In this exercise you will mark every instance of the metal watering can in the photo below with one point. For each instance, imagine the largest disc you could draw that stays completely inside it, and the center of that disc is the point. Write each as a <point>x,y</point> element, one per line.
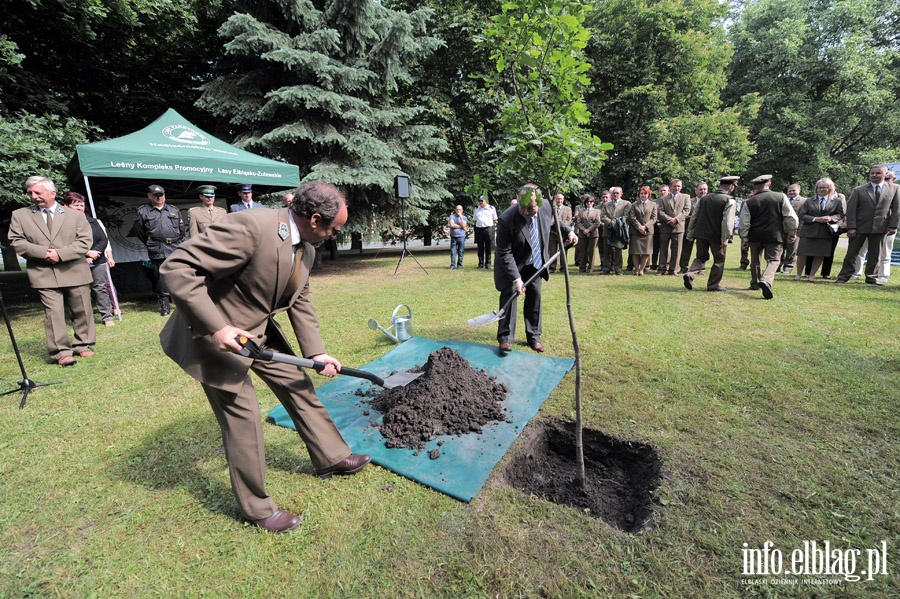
<point>402,325</point>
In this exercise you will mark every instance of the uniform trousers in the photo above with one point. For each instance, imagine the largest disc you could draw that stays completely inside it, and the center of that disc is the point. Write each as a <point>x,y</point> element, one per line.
<point>771,253</point>
<point>669,249</point>
<point>75,301</point>
<point>612,258</point>
<point>704,250</point>
<point>687,248</point>
<point>242,433</point>
<point>506,328</point>
<point>586,264</point>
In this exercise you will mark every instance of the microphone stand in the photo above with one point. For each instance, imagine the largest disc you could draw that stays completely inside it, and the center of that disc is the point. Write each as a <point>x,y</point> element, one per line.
<point>26,384</point>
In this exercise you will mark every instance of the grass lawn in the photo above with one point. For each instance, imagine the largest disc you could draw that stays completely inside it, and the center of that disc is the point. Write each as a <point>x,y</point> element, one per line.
<point>776,420</point>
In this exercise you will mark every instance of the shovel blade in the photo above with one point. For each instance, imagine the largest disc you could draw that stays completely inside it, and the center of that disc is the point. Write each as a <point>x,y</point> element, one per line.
<point>484,319</point>
<point>401,379</point>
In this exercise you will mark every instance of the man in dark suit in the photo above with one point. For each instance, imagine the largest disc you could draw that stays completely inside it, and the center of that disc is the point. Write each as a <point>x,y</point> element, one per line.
<point>523,234</point>
<point>246,203</point>
<point>54,242</point>
<point>223,295</point>
<point>873,211</point>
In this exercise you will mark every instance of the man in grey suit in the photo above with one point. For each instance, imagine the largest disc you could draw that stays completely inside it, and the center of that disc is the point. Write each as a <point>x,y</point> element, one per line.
<point>789,252</point>
<point>674,209</point>
<point>564,214</point>
<point>523,233</point>
<point>54,242</point>
<point>873,211</point>
<point>224,295</point>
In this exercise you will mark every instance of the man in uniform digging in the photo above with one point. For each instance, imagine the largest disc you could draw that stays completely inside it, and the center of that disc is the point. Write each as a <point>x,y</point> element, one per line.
<point>223,295</point>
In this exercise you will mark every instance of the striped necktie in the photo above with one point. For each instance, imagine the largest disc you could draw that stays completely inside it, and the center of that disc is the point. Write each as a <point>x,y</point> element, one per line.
<point>536,259</point>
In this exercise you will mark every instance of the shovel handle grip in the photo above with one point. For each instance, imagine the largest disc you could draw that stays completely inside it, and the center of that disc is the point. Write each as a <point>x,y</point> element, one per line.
<point>252,350</point>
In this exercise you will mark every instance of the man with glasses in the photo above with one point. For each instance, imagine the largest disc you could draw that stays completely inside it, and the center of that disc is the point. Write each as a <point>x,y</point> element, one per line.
<point>160,227</point>
<point>613,215</point>
<point>54,242</point>
<point>225,295</point>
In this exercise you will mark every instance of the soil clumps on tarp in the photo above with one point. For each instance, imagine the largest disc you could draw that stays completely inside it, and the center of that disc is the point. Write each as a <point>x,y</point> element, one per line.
<point>621,476</point>
<point>451,398</point>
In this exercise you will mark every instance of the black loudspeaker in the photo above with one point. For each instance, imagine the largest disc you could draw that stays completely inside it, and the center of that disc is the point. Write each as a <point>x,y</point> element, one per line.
<point>401,186</point>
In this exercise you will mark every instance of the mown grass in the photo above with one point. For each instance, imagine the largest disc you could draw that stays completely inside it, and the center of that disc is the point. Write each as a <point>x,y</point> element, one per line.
<point>776,421</point>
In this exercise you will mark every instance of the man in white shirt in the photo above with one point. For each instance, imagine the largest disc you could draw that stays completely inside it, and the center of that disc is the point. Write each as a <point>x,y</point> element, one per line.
<point>485,220</point>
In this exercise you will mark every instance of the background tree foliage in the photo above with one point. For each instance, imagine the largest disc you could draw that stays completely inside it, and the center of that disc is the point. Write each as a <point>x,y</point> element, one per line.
<point>116,64</point>
<point>659,68</point>
<point>460,106</point>
<point>313,83</point>
<point>540,73</point>
<point>828,75</point>
<point>358,91</point>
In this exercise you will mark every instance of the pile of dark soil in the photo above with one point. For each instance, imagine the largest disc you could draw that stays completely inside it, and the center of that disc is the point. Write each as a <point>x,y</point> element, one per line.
<point>621,476</point>
<point>451,398</point>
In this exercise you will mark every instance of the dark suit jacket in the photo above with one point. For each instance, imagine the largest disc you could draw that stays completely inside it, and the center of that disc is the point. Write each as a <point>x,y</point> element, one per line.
<point>236,273</point>
<point>870,217</point>
<point>811,210</point>
<point>514,244</point>
<point>71,238</point>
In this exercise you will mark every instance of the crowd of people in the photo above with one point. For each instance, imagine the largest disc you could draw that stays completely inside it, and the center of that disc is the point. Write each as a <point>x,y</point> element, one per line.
<point>668,232</point>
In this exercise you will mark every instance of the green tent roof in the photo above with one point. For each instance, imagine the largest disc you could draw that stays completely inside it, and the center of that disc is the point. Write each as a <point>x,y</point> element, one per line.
<point>176,154</point>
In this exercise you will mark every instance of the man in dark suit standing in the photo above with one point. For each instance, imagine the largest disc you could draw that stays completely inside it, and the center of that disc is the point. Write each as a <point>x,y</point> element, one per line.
<point>54,242</point>
<point>873,211</point>
<point>223,295</point>
<point>523,234</point>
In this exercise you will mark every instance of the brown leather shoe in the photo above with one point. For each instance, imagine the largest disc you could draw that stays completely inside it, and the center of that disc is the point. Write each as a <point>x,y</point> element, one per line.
<point>87,353</point>
<point>280,521</point>
<point>505,348</point>
<point>536,346</point>
<point>350,465</point>
<point>67,361</point>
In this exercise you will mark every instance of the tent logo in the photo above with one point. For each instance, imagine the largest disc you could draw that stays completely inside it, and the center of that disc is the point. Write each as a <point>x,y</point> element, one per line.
<point>185,135</point>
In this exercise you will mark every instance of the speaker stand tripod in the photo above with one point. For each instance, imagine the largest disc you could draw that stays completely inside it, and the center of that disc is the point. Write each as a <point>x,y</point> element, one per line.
<point>26,384</point>
<point>404,235</point>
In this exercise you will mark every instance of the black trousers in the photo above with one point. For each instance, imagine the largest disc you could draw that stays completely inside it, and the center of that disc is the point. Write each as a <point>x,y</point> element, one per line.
<point>506,328</point>
<point>484,239</point>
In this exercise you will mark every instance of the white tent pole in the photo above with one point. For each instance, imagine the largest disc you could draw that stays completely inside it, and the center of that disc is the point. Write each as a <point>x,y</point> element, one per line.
<point>87,187</point>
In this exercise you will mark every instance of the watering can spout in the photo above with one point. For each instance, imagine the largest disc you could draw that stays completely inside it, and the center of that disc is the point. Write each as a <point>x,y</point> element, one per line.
<point>373,324</point>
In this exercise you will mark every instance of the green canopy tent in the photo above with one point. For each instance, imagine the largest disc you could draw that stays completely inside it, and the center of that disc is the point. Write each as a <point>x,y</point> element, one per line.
<point>176,154</point>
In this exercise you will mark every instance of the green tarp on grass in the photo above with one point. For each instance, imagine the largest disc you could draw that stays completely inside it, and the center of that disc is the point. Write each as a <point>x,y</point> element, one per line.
<point>465,461</point>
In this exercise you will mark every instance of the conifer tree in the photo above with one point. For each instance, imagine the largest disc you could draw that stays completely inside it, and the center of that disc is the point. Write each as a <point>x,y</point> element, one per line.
<point>313,82</point>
